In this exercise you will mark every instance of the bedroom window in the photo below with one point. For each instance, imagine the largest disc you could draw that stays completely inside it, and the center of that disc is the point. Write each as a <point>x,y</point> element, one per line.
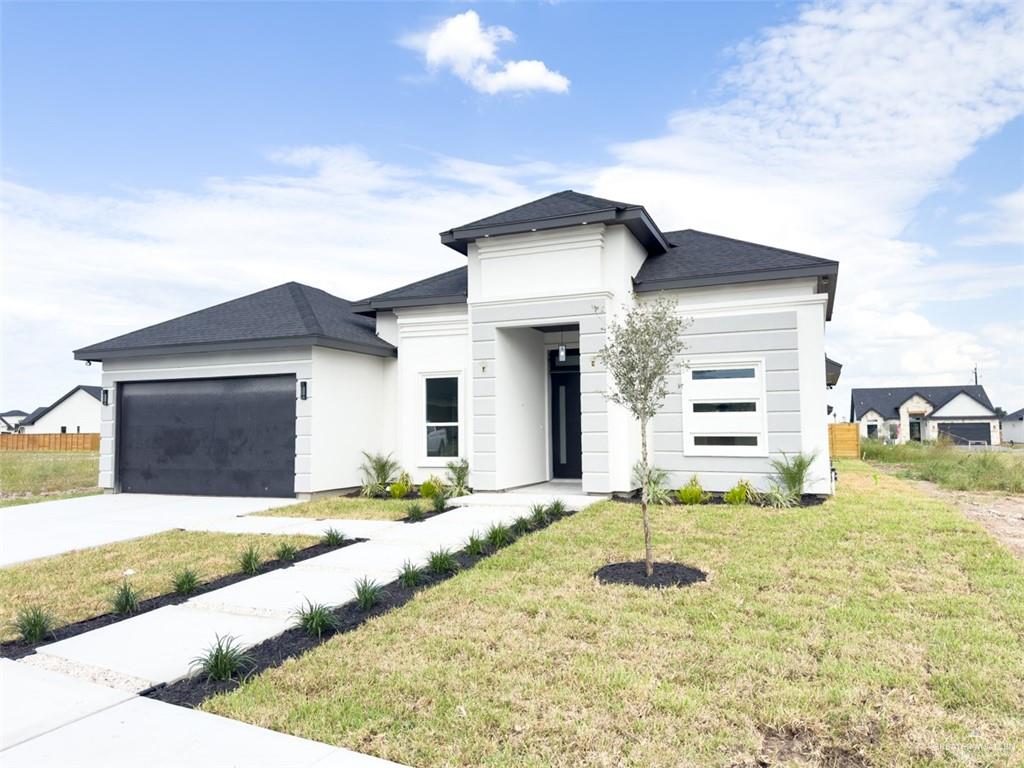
<point>724,413</point>
<point>442,416</point>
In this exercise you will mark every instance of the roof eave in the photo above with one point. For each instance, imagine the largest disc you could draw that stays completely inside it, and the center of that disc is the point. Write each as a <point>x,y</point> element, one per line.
<point>637,220</point>
<point>99,355</point>
<point>371,308</point>
<point>827,273</point>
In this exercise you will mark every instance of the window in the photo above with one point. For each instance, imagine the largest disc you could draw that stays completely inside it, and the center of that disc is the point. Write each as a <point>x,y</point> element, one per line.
<point>442,412</point>
<point>724,410</point>
<point>78,430</point>
<point>724,407</point>
<point>872,430</point>
<point>725,440</point>
<point>704,374</point>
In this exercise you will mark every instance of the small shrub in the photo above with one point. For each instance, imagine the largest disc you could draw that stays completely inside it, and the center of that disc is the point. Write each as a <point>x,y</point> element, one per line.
<point>368,593</point>
<point>431,487</point>
<point>222,660</point>
<point>791,473</point>
<point>316,619</point>
<point>410,575</point>
<point>442,561</point>
<point>741,493</point>
<point>414,513</point>
<point>333,537</point>
<point>458,477</point>
<point>439,503</point>
<point>557,509</point>
<point>476,545</point>
<point>778,497</point>
<point>125,599</point>
<point>499,536</point>
<point>250,559</point>
<point>378,472</point>
<point>656,482</point>
<point>521,526</point>
<point>185,581</point>
<point>692,493</point>
<point>34,624</point>
<point>538,515</point>
<point>286,552</point>
<point>398,490</point>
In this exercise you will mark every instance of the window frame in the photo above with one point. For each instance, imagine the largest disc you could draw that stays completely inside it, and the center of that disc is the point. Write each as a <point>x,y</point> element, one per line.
<point>745,424</point>
<point>427,460</point>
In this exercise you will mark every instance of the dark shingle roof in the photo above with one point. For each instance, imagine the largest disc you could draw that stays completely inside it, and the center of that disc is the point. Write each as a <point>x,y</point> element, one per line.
<point>886,401</point>
<point>291,313</point>
<point>832,371</point>
<point>565,203</point>
<point>698,258</point>
<point>446,288</point>
<point>1015,416</point>
<point>562,209</point>
<point>38,413</point>
<point>15,412</point>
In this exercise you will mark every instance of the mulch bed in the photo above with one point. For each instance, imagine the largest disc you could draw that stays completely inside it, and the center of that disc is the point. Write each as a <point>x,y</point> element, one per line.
<point>15,649</point>
<point>193,691</point>
<point>807,500</point>
<point>634,573</point>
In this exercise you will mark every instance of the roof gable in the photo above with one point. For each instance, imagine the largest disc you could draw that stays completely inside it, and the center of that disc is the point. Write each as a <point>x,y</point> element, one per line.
<point>38,413</point>
<point>291,312</point>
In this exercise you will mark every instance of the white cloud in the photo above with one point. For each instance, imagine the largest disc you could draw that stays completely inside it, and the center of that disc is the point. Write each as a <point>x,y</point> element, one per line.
<point>1001,224</point>
<point>469,50</point>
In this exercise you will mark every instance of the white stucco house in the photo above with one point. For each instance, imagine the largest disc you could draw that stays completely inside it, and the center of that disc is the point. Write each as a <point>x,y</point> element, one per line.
<point>1013,427</point>
<point>278,393</point>
<point>74,412</point>
<point>961,414</point>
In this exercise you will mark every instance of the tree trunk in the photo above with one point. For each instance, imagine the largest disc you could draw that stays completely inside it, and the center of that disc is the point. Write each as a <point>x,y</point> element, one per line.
<point>645,472</point>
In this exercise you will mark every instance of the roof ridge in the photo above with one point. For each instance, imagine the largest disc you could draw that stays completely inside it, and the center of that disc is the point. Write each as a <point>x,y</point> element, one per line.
<point>305,308</point>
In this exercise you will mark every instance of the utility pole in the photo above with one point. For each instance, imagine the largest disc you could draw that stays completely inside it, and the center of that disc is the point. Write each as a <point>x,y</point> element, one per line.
<point>975,374</point>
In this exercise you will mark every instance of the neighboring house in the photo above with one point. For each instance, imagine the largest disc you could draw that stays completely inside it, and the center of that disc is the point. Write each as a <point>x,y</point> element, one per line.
<point>77,411</point>
<point>1013,427</point>
<point>9,420</point>
<point>278,393</point>
<point>963,414</point>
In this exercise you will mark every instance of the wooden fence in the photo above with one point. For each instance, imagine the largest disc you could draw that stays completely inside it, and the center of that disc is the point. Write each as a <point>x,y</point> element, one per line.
<point>844,441</point>
<point>58,441</point>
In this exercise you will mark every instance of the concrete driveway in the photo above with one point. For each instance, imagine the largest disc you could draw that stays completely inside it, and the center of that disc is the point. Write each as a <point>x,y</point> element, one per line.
<point>51,527</point>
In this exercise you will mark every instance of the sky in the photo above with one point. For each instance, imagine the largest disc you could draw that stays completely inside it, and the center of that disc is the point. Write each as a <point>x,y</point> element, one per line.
<point>157,158</point>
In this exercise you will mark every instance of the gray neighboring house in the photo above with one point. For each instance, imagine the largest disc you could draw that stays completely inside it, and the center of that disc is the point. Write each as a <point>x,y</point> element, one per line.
<point>1013,427</point>
<point>495,361</point>
<point>962,414</point>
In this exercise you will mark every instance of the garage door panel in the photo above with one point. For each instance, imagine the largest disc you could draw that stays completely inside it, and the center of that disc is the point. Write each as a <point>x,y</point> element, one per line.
<point>221,437</point>
<point>964,434</point>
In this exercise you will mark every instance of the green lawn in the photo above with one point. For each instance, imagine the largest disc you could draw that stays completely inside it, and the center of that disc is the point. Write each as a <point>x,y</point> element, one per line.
<point>347,508</point>
<point>39,475</point>
<point>76,585</point>
<point>879,629</point>
<point>951,467</point>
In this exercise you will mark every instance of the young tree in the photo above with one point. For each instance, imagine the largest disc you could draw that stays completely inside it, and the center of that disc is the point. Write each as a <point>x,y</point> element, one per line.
<point>641,351</point>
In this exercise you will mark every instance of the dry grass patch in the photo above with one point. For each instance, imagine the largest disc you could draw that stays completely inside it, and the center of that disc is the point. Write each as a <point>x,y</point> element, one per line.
<point>34,473</point>
<point>879,629</point>
<point>76,585</point>
<point>344,508</point>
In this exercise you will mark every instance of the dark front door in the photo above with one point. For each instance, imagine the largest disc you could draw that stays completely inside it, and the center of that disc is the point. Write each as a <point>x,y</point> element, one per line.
<point>210,437</point>
<point>566,427</point>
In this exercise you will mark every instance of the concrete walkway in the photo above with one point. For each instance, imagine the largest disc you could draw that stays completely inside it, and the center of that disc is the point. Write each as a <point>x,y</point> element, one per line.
<point>74,702</point>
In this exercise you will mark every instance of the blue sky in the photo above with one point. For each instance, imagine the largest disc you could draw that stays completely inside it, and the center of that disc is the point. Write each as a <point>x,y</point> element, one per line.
<point>160,157</point>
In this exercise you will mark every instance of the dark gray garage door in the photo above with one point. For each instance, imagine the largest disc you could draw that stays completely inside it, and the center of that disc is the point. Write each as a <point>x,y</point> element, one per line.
<point>963,434</point>
<point>213,437</point>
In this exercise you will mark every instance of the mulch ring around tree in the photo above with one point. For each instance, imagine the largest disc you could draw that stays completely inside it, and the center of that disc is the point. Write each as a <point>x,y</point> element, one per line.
<point>635,574</point>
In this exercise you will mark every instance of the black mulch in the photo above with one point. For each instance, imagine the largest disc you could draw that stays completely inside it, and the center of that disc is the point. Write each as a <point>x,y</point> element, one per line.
<point>15,649</point>
<point>635,574</point>
<point>193,691</point>
<point>807,500</point>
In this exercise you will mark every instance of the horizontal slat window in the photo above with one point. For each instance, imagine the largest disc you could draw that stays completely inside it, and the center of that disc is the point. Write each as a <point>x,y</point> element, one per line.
<point>725,440</point>
<point>704,374</point>
<point>724,407</point>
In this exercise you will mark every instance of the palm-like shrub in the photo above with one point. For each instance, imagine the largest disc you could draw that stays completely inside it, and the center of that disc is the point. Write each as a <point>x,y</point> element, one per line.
<point>185,581</point>
<point>125,599</point>
<point>223,660</point>
<point>316,619</point>
<point>499,536</point>
<point>378,472</point>
<point>692,492</point>
<point>410,574</point>
<point>538,515</point>
<point>778,496</point>
<point>476,545</point>
<point>250,559</point>
<point>656,483</point>
<point>439,502</point>
<point>442,561</point>
<point>741,493</point>
<point>34,624</point>
<point>458,477</point>
<point>415,512</point>
<point>431,487</point>
<point>368,593</point>
<point>332,537</point>
<point>791,473</point>
<point>286,551</point>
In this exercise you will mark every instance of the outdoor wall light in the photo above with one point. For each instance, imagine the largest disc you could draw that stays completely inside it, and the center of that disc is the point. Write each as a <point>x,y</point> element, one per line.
<point>302,390</point>
<point>106,397</point>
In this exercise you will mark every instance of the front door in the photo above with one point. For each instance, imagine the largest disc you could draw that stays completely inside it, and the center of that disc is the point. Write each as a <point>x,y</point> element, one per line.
<point>915,429</point>
<point>566,432</point>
